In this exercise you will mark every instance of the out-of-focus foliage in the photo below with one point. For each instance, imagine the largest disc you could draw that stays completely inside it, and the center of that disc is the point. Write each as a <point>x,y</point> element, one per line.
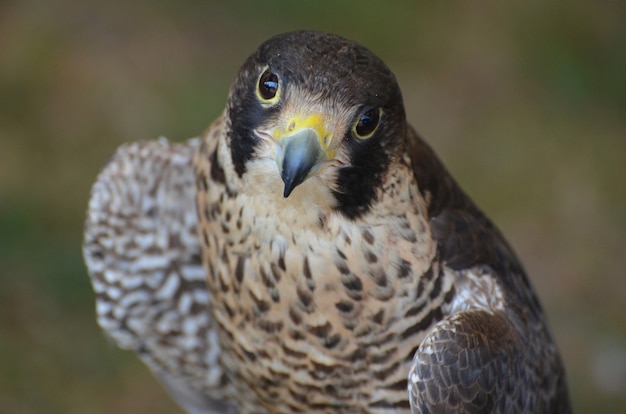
<point>524,101</point>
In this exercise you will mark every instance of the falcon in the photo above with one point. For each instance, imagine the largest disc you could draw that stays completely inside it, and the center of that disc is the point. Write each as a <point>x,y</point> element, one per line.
<point>311,254</point>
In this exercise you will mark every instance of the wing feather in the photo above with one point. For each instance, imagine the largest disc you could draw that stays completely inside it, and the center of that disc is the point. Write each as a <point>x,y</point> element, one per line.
<point>143,257</point>
<point>493,352</point>
<point>479,362</point>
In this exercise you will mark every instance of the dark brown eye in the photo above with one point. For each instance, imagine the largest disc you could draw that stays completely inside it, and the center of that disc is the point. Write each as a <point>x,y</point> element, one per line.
<point>367,123</point>
<point>268,85</point>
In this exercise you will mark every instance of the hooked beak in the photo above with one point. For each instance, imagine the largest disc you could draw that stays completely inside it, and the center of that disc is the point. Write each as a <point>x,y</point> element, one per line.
<point>301,150</point>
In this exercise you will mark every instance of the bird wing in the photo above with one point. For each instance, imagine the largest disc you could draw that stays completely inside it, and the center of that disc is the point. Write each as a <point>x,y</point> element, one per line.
<point>478,361</point>
<point>493,353</point>
<point>462,365</point>
<point>143,257</point>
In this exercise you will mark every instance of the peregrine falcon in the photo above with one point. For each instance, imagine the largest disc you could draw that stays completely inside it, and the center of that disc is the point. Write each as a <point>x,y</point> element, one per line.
<point>311,254</point>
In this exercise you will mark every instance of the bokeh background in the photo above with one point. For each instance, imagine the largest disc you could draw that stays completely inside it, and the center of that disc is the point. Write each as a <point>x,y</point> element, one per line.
<point>524,101</point>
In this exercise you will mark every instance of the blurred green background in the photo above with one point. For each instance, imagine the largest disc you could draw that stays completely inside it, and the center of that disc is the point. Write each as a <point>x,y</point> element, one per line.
<point>524,101</point>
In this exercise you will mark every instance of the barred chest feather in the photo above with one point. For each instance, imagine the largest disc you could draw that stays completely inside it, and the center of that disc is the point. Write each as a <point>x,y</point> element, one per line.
<point>317,312</point>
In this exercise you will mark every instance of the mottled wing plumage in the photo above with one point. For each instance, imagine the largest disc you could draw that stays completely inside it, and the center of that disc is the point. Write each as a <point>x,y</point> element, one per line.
<point>143,256</point>
<point>493,353</point>
<point>476,361</point>
<point>464,364</point>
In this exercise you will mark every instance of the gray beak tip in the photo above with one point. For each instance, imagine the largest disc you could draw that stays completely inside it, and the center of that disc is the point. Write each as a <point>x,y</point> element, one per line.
<point>301,153</point>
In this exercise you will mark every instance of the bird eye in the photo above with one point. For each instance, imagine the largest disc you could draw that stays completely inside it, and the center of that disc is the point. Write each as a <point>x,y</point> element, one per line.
<point>367,123</point>
<point>267,89</point>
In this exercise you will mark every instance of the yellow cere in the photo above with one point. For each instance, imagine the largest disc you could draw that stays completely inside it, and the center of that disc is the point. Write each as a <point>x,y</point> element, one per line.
<point>314,122</point>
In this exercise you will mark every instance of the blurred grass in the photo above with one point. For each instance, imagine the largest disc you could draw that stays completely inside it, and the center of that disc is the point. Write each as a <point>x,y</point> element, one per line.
<point>525,102</point>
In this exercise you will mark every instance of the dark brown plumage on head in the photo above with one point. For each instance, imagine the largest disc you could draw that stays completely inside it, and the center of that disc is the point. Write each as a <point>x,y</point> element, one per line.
<point>338,77</point>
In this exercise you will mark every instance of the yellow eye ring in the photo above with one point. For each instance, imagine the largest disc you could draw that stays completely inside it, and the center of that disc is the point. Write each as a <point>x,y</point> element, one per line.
<point>367,123</point>
<point>268,87</point>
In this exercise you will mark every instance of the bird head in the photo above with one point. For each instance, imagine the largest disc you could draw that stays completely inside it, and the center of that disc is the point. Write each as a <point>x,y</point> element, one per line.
<point>321,107</point>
